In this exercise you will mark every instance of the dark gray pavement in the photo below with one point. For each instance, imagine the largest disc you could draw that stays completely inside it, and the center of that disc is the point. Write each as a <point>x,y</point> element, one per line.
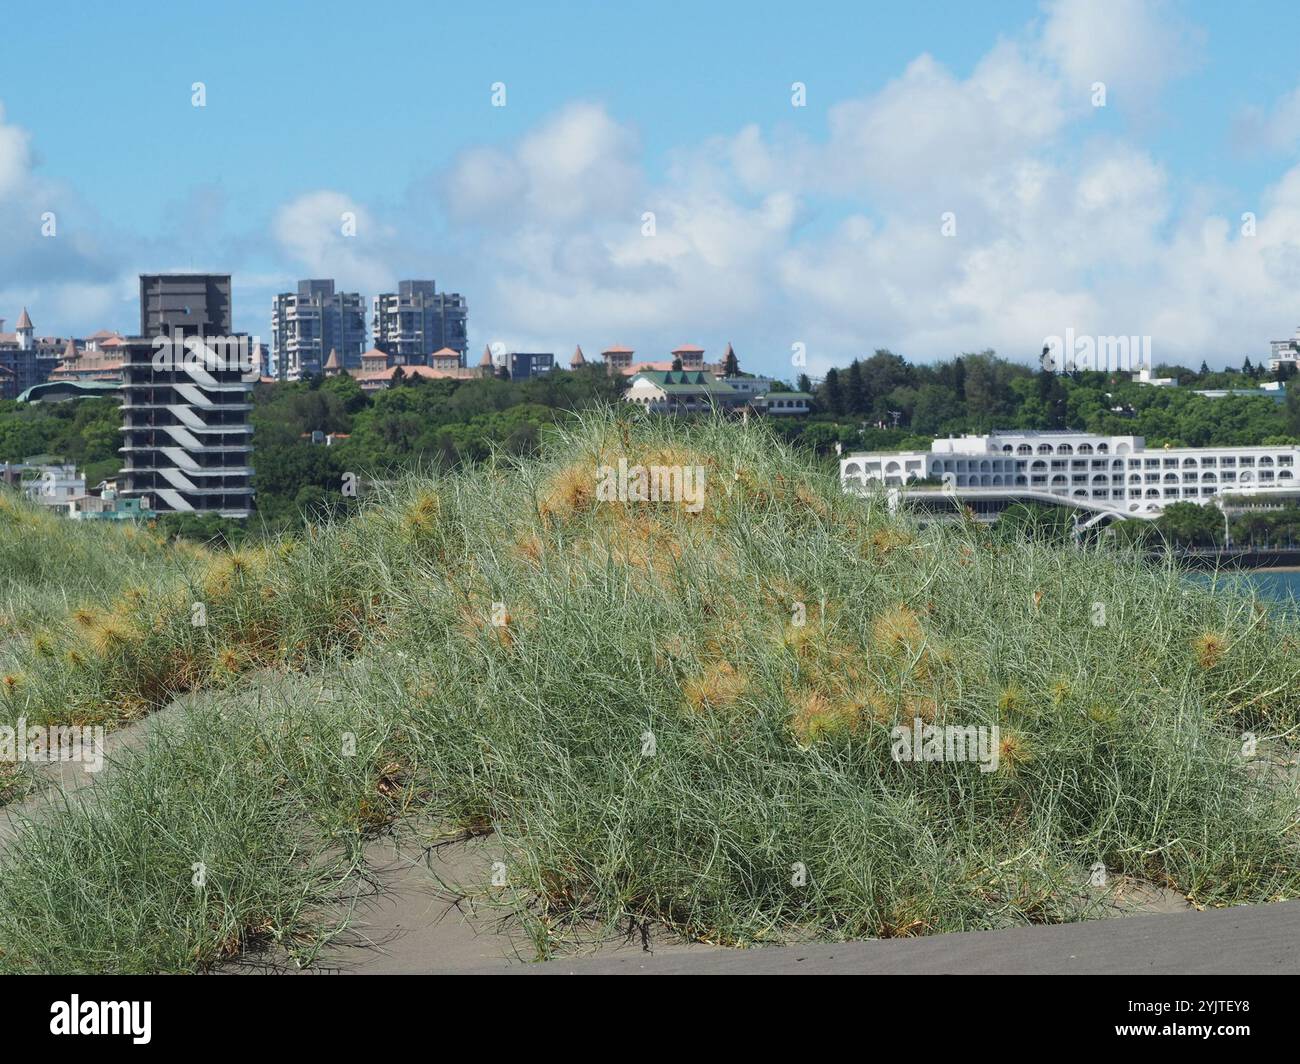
<point>1249,939</point>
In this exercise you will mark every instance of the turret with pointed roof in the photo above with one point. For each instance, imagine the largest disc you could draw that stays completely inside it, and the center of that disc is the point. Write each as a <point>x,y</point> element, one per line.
<point>70,353</point>
<point>577,359</point>
<point>24,331</point>
<point>730,364</point>
<point>333,364</point>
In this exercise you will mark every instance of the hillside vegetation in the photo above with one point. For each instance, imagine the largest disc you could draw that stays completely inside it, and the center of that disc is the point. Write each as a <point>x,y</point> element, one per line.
<point>666,715</point>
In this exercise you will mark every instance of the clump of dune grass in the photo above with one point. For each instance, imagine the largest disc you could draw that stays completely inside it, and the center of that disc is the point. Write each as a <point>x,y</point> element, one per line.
<point>205,845</point>
<point>686,715</point>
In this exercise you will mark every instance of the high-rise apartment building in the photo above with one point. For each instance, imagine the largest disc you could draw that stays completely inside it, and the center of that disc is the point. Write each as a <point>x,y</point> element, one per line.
<point>417,320</point>
<point>187,442</point>
<point>307,325</point>
<point>191,303</point>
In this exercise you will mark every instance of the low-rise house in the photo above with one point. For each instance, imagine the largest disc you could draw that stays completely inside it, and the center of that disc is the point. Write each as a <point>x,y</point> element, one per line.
<point>782,404</point>
<point>682,392</point>
<point>53,485</point>
<point>108,505</point>
<point>383,379</point>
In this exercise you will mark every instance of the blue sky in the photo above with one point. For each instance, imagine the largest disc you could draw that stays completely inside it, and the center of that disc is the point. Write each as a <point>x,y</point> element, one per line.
<point>775,225</point>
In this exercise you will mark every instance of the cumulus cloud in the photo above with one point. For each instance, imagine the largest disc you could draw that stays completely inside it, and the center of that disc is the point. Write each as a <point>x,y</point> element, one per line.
<point>48,262</point>
<point>328,234</point>
<point>579,165</point>
<point>1134,47</point>
<point>838,242</point>
<point>1275,129</point>
<point>15,156</point>
<point>945,212</point>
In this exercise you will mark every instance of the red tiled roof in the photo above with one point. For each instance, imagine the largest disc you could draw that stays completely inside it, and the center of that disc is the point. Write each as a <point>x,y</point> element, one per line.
<point>415,371</point>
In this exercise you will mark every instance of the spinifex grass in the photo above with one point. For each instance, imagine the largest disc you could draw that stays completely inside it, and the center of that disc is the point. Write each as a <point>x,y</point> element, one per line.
<point>204,844</point>
<point>686,717</point>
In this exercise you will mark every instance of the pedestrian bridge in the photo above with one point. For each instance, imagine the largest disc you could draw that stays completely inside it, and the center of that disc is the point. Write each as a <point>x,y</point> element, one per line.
<point>1097,510</point>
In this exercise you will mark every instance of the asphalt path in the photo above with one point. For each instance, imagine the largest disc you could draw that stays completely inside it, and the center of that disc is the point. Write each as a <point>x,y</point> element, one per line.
<point>1247,939</point>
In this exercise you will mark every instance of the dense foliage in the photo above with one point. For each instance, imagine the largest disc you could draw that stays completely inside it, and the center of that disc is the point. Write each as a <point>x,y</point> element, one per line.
<point>885,402</point>
<point>879,403</point>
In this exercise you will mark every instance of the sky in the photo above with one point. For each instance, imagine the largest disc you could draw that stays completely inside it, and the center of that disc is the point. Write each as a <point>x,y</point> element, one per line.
<point>950,177</point>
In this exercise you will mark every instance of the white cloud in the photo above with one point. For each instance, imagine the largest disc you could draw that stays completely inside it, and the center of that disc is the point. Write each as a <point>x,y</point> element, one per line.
<point>50,263</point>
<point>15,156</point>
<point>328,234</point>
<point>776,238</point>
<point>1275,129</point>
<point>1134,47</point>
<point>767,237</point>
<point>577,166</point>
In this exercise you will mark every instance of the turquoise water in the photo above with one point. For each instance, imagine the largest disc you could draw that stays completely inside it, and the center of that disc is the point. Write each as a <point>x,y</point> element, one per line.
<point>1282,585</point>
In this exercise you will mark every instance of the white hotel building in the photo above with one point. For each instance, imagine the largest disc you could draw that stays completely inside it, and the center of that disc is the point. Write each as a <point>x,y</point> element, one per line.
<point>1113,476</point>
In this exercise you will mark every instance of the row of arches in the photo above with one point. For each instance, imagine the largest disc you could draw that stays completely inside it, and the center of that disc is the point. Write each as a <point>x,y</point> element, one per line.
<point>1064,448</point>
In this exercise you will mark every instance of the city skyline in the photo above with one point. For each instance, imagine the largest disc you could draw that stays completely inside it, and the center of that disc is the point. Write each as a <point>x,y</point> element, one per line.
<point>1173,211</point>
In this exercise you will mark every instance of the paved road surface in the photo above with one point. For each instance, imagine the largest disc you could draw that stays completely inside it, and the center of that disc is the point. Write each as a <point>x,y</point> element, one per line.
<point>1244,940</point>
